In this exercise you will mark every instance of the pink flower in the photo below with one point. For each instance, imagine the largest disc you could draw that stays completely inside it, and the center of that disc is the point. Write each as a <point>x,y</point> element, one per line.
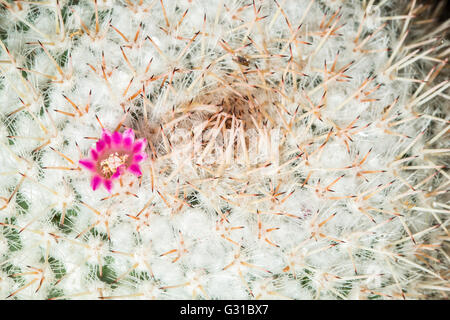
<point>113,155</point>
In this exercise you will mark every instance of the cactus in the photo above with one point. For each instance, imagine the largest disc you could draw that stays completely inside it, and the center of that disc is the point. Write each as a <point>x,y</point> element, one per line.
<point>293,150</point>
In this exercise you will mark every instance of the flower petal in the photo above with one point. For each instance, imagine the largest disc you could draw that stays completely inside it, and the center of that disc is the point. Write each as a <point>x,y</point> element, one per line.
<point>100,145</point>
<point>106,136</point>
<point>139,145</point>
<point>88,164</point>
<point>128,137</point>
<point>135,169</point>
<point>117,138</point>
<point>108,185</point>
<point>127,142</point>
<point>95,182</point>
<point>118,172</point>
<point>138,157</point>
<point>94,155</point>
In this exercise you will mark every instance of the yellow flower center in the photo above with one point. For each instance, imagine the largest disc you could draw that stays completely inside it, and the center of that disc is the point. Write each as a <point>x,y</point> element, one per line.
<point>109,165</point>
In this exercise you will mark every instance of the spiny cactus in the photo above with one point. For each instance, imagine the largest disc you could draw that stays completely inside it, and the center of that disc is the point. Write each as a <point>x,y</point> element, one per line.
<point>294,149</point>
